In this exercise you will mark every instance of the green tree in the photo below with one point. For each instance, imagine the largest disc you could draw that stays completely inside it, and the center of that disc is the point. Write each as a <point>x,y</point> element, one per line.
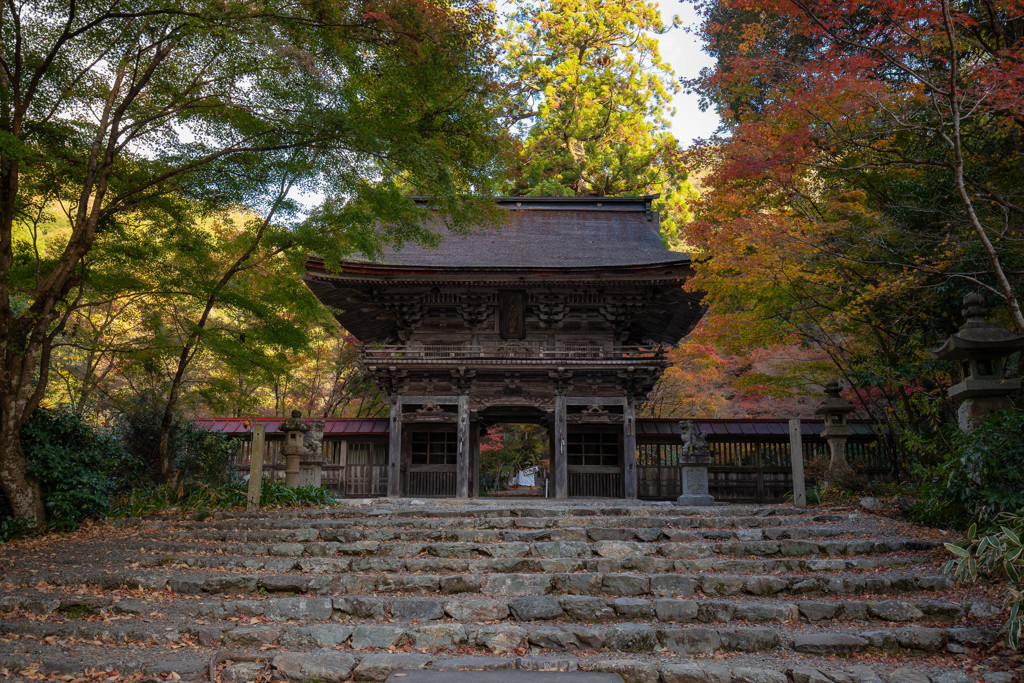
<point>156,111</point>
<point>594,98</point>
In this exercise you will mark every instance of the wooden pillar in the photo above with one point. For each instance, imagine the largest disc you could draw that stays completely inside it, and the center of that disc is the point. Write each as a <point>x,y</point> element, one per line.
<point>797,455</point>
<point>252,502</point>
<point>395,449</point>
<point>462,454</point>
<point>629,449</point>
<point>474,459</point>
<point>560,464</point>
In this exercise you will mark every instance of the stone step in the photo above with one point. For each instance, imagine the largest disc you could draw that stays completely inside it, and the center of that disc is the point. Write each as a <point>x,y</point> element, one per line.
<point>713,520</point>
<point>626,637</point>
<point>562,549</point>
<point>593,609</point>
<point>499,584</point>
<point>441,509</point>
<point>319,565</point>
<point>329,665</point>
<point>563,533</point>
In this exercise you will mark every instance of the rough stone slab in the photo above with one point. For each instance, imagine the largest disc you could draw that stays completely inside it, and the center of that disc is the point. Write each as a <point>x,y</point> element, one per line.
<point>419,610</point>
<point>695,673</point>
<point>630,670</point>
<point>535,607</point>
<point>473,664</point>
<point>375,635</point>
<point>438,636</point>
<point>743,674</point>
<point>315,636</point>
<point>829,643</point>
<point>482,609</point>
<point>378,667</point>
<point>427,676</point>
<point>329,667</point>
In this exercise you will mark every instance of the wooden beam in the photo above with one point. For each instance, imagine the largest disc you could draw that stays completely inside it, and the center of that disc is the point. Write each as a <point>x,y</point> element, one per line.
<point>395,449</point>
<point>420,400</point>
<point>560,464</point>
<point>462,454</point>
<point>591,400</point>
<point>629,450</point>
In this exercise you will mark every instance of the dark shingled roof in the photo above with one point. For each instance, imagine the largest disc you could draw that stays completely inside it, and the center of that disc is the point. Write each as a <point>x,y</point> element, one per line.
<point>549,232</point>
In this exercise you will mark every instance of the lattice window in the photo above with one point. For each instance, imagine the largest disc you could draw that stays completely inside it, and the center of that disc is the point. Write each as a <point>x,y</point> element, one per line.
<point>593,449</point>
<point>434,448</point>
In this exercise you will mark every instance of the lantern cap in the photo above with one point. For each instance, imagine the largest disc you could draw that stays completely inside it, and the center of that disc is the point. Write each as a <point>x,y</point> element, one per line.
<point>834,403</point>
<point>295,423</point>
<point>977,336</point>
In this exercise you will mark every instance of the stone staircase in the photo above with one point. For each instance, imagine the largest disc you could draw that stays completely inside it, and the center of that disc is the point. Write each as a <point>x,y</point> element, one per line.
<point>656,593</point>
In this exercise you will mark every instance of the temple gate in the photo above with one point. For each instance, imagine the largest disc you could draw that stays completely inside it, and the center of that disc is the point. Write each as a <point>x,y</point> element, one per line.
<point>561,317</point>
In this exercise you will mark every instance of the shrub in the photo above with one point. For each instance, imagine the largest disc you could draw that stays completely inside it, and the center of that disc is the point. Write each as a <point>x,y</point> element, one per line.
<point>199,498</point>
<point>200,455</point>
<point>76,464</point>
<point>999,553</point>
<point>982,478</point>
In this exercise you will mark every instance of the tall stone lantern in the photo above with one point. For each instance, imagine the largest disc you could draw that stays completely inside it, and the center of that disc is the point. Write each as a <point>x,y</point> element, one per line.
<point>294,429</point>
<point>835,409</point>
<point>980,347</point>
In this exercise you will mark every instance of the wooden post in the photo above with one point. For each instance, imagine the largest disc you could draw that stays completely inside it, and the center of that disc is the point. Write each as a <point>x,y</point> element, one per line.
<point>560,464</point>
<point>796,448</point>
<point>629,449</point>
<point>259,438</point>
<point>395,449</point>
<point>462,454</point>
<point>474,459</point>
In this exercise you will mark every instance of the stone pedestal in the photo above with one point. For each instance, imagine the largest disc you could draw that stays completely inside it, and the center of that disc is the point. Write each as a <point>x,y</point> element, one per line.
<point>292,468</point>
<point>695,485</point>
<point>973,410</point>
<point>694,461</point>
<point>838,470</point>
<point>312,461</point>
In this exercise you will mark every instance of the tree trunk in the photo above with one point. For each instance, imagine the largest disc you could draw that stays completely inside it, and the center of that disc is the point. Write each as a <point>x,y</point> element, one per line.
<point>20,486</point>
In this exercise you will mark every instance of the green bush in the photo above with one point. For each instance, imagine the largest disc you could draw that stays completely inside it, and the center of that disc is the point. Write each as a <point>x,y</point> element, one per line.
<point>982,478</point>
<point>200,497</point>
<point>77,465</point>
<point>999,553</point>
<point>200,455</point>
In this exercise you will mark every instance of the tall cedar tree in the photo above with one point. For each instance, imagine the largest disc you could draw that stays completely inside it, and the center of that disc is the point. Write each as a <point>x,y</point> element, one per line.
<point>141,110</point>
<point>594,95</point>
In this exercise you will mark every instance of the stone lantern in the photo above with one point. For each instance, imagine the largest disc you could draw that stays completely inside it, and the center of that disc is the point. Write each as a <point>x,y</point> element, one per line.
<point>294,429</point>
<point>694,461</point>
<point>980,347</point>
<point>834,409</point>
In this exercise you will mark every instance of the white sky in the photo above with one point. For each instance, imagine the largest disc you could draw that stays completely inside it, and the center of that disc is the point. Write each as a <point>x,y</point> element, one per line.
<point>681,48</point>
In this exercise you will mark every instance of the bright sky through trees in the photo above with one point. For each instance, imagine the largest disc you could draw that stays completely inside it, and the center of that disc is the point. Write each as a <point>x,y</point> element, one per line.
<point>682,48</point>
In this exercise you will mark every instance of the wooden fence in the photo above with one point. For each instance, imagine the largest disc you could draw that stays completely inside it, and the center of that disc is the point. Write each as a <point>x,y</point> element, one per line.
<point>750,463</point>
<point>751,467</point>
